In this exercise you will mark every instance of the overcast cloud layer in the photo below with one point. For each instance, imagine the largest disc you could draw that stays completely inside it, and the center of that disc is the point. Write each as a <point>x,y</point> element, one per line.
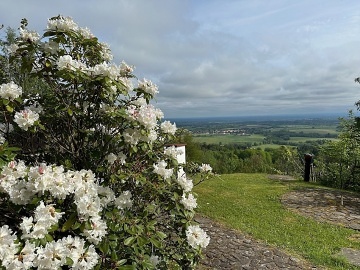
<point>224,57</point>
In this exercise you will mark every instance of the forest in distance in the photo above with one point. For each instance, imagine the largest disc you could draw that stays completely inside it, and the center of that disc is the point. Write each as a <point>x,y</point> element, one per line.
<point>256,144</point>
<point>265,131</point>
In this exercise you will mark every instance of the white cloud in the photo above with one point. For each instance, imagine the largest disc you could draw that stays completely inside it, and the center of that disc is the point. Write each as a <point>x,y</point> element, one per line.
<point>217,58</point>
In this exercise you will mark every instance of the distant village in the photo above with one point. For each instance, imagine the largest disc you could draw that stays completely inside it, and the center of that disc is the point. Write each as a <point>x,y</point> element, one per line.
<point>239,132</point>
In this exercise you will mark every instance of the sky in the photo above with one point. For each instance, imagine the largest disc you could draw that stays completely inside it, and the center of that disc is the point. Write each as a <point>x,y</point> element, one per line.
<point>224,57</point>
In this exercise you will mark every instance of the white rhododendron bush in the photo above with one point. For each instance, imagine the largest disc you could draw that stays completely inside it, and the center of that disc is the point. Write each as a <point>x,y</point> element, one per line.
<point>88,180</point>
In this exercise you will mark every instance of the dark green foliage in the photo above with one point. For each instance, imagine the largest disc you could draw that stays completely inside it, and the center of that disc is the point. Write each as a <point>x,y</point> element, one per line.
<point>339,161</point>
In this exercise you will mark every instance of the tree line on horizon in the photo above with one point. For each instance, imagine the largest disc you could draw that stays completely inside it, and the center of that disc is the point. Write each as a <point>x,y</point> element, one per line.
<point>336,162</point>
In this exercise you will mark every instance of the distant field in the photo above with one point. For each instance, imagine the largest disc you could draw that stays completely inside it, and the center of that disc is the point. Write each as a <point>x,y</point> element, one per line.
<point>255,138</point>
<point>304,139</point>
<point>227,139</point>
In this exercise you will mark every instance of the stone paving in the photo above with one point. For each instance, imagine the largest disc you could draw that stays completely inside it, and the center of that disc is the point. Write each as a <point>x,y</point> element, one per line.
<point>326,205</point>
<point>230,249</point>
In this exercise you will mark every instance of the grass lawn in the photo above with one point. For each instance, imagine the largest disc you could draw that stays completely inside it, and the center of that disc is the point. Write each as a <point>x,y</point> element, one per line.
<point>251,203</point>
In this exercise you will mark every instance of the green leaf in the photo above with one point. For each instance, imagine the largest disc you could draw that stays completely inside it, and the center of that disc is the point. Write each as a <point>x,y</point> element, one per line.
<point>121,262</point>
<point>104,247</point>
<point>129,241</point>
<point>155,242</point>
<point>49,238</point>
<point>9,108</point>
<point>70,112</point>
<point>161,235</point>
<point>69,261</point>
<point>69,223</point>
<point>48,63</point>
<point>142,241</point>
<point>127,267</point>
<point>43,241</point>
<point>76,225</point>
<point>113,237</point>
<point>114,255</point>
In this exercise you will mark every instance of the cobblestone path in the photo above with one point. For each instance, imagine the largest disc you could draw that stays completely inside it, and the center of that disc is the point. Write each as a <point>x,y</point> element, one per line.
<point>229,249</point>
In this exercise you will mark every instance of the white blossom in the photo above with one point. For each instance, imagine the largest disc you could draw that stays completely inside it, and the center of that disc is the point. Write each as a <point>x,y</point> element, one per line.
<point>154,260</point>
<point>124,201</point>
<point>205,168</point>
<point>122,158</point>
<point>106,52</point>
<point>186,184</point>
<point>10,91</point>
<point>2,139</point>
<point>52,256</point>
<point>88,260</point>
<point>168,128</point>
<point>160,169</point>
<point>62,24</point>
<point>68,63</point>
<point>97,232</point>
<point>148,87</point>
<point>197,236</point>
<point>132,136</point>
<point>26,118</point>
<point>189,202</point>
<point>172,151</point>
<point>29,35</point>
<point>106,195</point>
<point>12,48</point>
<point>125,69</point>
<point>23,260</point>
<point>7,243</point>
<point>111,158</point>
<point>86,32</point>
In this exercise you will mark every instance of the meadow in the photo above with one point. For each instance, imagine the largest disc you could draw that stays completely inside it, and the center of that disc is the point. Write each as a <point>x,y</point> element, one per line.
<point>250,203</point>
<point>266,134</point>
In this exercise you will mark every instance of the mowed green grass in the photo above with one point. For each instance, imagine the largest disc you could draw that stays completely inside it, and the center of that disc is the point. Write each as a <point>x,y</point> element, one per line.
<point>251,204</point>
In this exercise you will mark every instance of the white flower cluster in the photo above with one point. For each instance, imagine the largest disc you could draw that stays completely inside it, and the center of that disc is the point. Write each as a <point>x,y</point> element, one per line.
<point>68,63</point>
<point>22,183</point>
<point>10,91</point>
<point>29,35</point>
<point>197,237</point>
<point>106,52</point>
<point>146,114</point>
<point>148,87</point>
<point>204,168</point>
<point>189,202</point>
<point>160,169</point>
<point>124,200</point>
<point>52,256</point>
<point>168,128</point>
<point>62,24</point>
<point>12,48</point>
<point>111,158</point>
<point>112,71</point>
<point>26,118</point>
<point>45,216</point>
<point>125,69</point>
<point>186,184</point>
<point>172,152</point>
